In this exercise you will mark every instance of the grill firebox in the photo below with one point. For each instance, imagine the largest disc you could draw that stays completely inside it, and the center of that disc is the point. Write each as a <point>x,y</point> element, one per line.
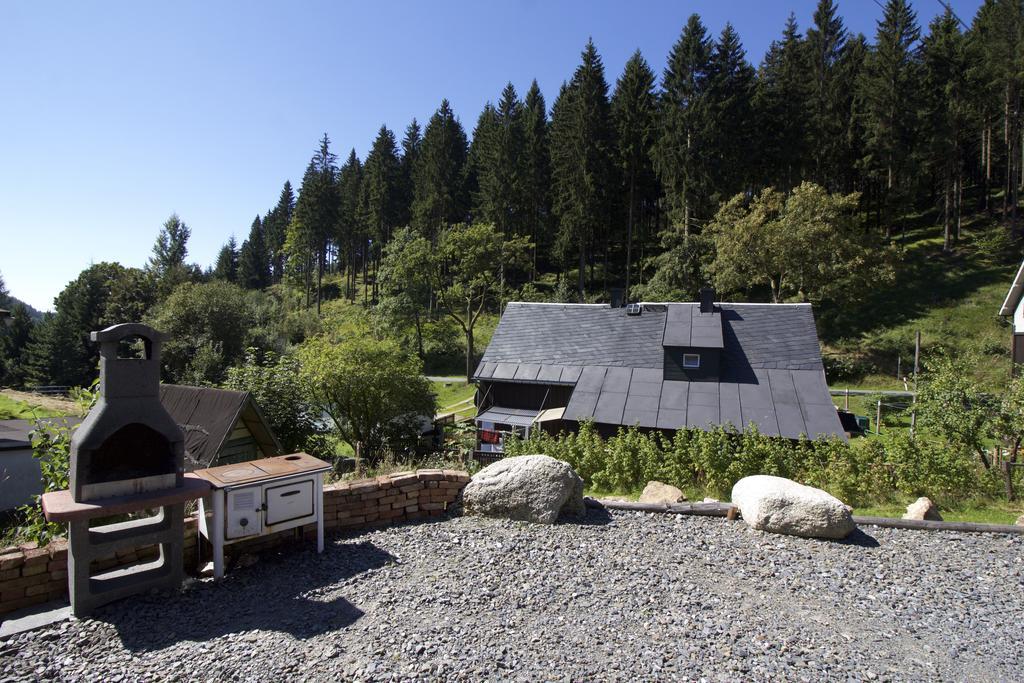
<point>128,443</point>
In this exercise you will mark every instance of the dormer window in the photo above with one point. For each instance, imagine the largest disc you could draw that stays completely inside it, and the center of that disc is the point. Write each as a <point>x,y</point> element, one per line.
<point>691,360</point>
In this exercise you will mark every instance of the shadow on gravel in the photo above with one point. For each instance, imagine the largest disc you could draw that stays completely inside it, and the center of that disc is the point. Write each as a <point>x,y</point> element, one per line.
<point>859,538</point>
<point>592,517</point>
<point>280,593</point>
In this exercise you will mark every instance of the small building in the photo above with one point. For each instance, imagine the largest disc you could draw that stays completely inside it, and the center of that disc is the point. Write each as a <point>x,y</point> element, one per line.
<point>1013,307</point>
<point>656,366</point>
<point>221,426</point>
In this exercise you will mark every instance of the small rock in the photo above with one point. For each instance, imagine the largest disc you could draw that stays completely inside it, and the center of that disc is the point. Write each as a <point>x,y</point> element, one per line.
<point>923,508</point>
<point>1020,521</point>
<point>711,500</point>
<point>659,492</point>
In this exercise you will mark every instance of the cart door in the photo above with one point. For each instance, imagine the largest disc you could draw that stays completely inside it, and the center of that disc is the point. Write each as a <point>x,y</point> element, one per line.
<point>243,513</point>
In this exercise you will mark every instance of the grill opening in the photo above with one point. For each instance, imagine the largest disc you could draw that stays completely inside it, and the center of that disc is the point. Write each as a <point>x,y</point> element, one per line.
<point>133,451</point>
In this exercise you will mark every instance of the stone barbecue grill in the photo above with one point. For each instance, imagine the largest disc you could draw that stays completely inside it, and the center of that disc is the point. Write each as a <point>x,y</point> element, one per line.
<point>127,456</point>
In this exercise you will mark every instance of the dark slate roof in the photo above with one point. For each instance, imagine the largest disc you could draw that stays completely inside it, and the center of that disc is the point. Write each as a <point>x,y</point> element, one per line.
<point>15,434</point>
<point>208,416</point>
<point>771,371</point>
<point>1013,296</point>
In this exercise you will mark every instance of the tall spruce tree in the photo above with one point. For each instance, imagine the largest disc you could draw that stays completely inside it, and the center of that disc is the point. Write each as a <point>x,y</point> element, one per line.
<point>478,158</point>
<point>314,221</point>
<point>275,226</point>
<point>683,146</point>
<point>169,251</point>
<point>226,267</point>
<point>828,117</point>
<point>946,92</point>
<point>411,143</point>
<point>634,116</point>
<point>380,194</point>
<point>780,104</point>
<point>890,87</point>
<point>351,236</point>
<point>440,198</point>
<point>253,260</point>
<point>731,134</point>
<point>581,160</point>
<point>537,174</point>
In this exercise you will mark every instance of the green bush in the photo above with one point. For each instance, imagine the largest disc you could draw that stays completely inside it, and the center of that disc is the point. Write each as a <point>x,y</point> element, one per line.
<point>712,461</point>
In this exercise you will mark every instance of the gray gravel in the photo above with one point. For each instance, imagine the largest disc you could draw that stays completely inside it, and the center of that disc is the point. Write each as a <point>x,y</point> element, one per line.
<point>624,596</point>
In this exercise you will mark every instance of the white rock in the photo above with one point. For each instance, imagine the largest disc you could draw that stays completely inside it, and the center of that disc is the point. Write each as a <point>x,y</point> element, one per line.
<point>658,492</point>
<point>532,488</point>
<point>782,506</point>
<point>923,508</point>
<point>711,500</point>
<point>1020,521</point>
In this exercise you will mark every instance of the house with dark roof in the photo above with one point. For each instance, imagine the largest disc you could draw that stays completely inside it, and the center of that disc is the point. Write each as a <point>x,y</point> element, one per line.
<point>656,366</point>
<point>221,426</point>
<point>1013,308</point>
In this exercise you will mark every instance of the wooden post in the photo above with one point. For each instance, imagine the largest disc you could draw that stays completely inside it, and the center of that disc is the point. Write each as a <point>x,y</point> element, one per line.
<point>878,416</point>
<point>899,366</point>
<point>913,401</point>
<point>847,400</point>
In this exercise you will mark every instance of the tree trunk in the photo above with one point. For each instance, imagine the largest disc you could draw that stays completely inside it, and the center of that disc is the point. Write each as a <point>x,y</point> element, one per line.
<point>629,233</point>
<point>582,272</point>
<point>947,215</point>
<point>469,341</point>
<point>419,335</point>
<point>1011,495</point>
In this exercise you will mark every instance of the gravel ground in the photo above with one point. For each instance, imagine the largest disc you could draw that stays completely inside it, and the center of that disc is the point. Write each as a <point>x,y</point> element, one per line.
<point>624,596</point>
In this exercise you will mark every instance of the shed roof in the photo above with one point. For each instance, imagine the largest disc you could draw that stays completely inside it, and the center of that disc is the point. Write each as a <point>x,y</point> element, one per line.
<point>1013,296</point>
<point>771,370</point>
<point>208,416</point>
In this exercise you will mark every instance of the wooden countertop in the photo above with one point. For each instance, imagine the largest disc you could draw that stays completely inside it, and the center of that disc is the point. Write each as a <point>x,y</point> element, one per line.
<point>59,506</point>
<point>259,470</point>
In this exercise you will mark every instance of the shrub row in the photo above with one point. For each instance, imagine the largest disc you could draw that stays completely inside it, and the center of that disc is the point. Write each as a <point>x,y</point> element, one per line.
<point>712,461</point>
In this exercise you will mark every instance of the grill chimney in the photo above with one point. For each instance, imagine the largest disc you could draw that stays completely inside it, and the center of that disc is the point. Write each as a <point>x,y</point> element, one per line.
<point>707,299</point>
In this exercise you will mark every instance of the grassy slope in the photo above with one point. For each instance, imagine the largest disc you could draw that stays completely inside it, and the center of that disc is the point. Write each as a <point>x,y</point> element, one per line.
<point>953,299</point>
<point>11,409</point>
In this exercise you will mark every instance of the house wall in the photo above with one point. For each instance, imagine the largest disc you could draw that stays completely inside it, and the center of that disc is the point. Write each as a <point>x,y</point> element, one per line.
<point>710,362</point>
<point>30,575</point>
<point>528,396</point>
<point>20,478</point>
<point>240,446</point>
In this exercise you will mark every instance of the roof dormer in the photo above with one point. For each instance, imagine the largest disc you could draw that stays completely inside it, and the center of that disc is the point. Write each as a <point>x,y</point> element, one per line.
<point>693,340</point>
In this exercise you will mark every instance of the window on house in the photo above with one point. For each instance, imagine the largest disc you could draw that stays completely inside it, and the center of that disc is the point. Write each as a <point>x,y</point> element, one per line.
<point>691,360</point>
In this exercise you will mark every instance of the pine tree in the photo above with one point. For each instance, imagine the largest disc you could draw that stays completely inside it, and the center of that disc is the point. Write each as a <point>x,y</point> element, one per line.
<point>581,159</point>
<point>682,149</point>
<point>731,135</point>
<point>440,198</point>
<point>168,260</point>
<point>537,174</point>
<point>275,226</point>
<point>780,104</point>
<point>503,183</point>
<point>226,267</point>
<point>478,159</point>
<point>253,260</point>
<point>411,144</point>
<point>946,91</point>
<point>634,116</point>
<point>379,197</point>
<point>314,221</point>
<point>828,117</point>
<point>350,232</point>
<point>891,99</point>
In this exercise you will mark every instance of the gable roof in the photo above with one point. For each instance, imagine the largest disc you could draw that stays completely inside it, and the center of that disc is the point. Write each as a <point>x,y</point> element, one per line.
<point>208,416</point>
<point>771,370</point>
<point>1013,296</point>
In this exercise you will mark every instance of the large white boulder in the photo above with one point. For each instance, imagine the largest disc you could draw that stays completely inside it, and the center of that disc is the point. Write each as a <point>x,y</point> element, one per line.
<point>782,506</point>
<point>923,508</point>
<point>532,488</point>
<point>659,492</point>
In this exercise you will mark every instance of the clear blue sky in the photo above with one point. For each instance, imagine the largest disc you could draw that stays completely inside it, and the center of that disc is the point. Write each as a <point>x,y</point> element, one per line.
<point>115,114</point>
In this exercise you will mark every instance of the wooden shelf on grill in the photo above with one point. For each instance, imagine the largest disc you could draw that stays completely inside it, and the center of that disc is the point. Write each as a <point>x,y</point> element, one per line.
<point>59,506</point>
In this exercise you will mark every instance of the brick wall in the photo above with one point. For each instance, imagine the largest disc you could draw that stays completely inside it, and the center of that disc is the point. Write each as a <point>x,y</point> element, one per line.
<point>31,575</point>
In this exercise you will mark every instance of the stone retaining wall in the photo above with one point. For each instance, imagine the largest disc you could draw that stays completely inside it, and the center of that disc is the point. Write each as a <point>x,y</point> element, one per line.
<point>30,575</point>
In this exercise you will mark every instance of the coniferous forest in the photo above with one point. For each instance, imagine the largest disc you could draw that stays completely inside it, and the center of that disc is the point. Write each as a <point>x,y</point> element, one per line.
<point>788,176</point>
